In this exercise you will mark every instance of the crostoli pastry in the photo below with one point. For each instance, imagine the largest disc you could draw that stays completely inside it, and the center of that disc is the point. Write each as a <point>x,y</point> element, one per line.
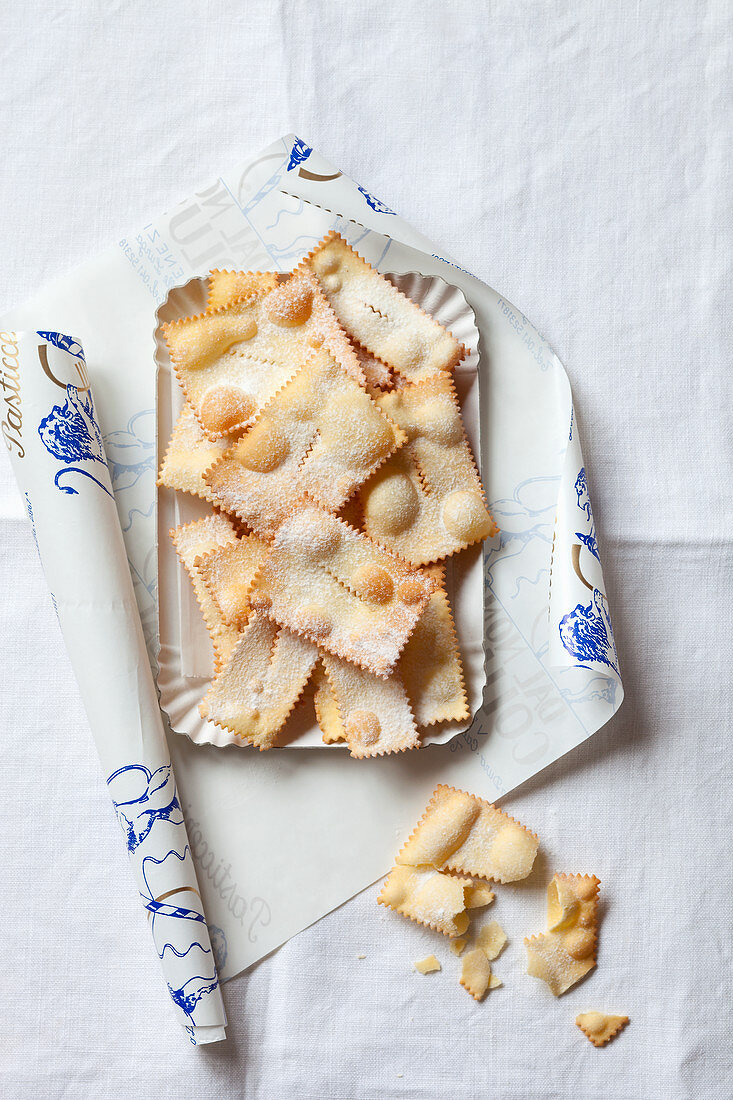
<point>374,714</point>
<point>190,453</point>
<point>476,976</point>
<point>230,361</point>
<point>261,682</point>
<point>226,286</point>
<point>427,897</point>
<point>600,1027</point>
<point>321,434</point>
<point>468,836</point>
<point>565,953</point>
<point>427,502</point>
<point>192,540</point>
<point>430,664</point>
<point>334,586</point>
<point>228,572</point>
<point>373,312</point>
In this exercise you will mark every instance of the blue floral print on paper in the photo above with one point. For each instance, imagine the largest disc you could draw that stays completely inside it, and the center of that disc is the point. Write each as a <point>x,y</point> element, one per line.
<point>70,433</point>
<point>66,343</point>
<point>586,633</point>
<point>298,154</point>
<point>376,204</point>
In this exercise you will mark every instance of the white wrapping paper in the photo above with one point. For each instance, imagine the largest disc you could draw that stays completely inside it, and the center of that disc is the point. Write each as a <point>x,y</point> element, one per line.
<point>55,444</point>
<point>281,838</point>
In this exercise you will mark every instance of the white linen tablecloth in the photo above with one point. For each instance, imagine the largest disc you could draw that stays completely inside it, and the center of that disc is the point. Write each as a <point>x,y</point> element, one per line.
<point>575,156</point>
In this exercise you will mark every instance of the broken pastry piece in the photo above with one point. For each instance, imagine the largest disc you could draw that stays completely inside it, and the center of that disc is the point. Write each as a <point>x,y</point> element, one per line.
<point>189,455</point>
<point>476,976</point>
<point>491,939</point>
<point>192,541</point>
<point>230,361</point>
<point>321,434</point>
<point>478,896</point>
<point>427,501</point>
<point>228,572</point>
<point>567,951</point>
<point>258,687</point>
<point>427,897</point>
<point>378,316</point>
<point>334,586</point>
<point>374,714</point>
<point>430,666</point>
<point>226,286</point>
<point>599,1027</point>
<point>427,965</point>
<point>464,834</point>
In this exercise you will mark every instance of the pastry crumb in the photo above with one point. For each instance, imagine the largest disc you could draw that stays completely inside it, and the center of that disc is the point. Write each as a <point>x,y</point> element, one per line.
<point>427,965</point>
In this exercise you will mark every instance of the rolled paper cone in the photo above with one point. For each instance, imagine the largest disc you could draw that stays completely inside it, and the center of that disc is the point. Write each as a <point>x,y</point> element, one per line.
<point>56,448</point>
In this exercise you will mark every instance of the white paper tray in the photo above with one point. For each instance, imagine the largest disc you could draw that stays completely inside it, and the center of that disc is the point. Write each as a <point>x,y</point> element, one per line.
<point>185,659</point>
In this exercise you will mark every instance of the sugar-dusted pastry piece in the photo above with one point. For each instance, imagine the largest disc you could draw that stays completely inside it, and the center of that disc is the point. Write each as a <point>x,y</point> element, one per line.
<point>476,973</point>
<point>261,683</point>
<point>327,712</point>
<point>191,542</point>
<point>458,946</point>
<point>430,665</point>
<point>375,313</point>
<point>377,374</point>
<point>227,286</point>
<point>462,833</point>
<point>478,896</point>
<point>491,939</point>
<point>189,455</point>
<point>567,951</point>
<point>228,572</point>
<point>327,582</point>
<point>375,713</point>
<point>230,361</point>
<point>600,1027</point>
<point>321,434</point>
<point>427,897</point>
<point>428,965</point>
<point>427,501</point>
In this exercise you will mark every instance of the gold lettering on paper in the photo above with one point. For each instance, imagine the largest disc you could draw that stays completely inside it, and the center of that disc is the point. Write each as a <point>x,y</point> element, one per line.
<point>11,422</point>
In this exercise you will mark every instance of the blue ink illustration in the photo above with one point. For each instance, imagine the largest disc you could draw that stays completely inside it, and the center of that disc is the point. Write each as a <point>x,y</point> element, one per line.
<point>298,154</point>
<point>144,799</point>
<point>589,541</point>
<point>521,556</point>
<point>587,635</point>
<point>188,1001</point>
<point>602,688</point>
<point>581,491</point>
<point>70,433</point>
<point>376,204</point>
<point>66,343</point>
<point>154,798</point>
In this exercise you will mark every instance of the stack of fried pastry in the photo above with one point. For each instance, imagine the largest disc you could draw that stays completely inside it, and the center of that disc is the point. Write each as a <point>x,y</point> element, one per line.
<point>322,425</point>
